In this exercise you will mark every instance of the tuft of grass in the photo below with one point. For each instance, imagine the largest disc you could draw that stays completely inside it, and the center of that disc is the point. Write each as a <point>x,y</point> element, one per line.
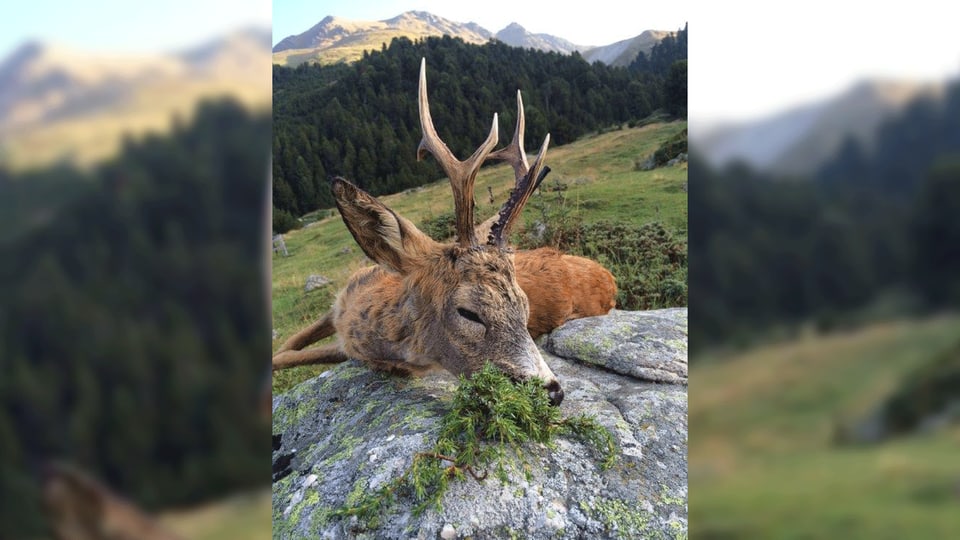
<point>489,414</point>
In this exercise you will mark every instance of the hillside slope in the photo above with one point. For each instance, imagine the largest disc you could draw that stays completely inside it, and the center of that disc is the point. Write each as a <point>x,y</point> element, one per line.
<point>622,53</point>
<point>762,431</point>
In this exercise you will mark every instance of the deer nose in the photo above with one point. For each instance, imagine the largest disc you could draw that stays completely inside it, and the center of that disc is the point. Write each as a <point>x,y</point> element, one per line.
<point>555,393</point>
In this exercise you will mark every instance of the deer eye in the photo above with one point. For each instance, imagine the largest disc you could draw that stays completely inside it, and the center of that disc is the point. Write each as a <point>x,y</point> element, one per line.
<point>469,315</point>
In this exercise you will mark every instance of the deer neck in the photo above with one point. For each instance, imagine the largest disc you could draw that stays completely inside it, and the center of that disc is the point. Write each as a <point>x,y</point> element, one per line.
<point>386,318</point>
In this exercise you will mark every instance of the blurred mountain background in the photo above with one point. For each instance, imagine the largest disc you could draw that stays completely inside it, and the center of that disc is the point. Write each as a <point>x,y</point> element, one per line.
<point>61,104</point>
<point>134,329</point>
<point>824,285</point>
<point>800,140</point>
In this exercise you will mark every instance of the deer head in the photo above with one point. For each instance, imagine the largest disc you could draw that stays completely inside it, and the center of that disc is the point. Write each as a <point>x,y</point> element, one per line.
<point>455,305</point>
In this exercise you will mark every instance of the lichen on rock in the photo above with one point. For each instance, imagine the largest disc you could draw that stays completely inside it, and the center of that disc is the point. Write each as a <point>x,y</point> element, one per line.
<point>353,429</point>
<point>649,345</point>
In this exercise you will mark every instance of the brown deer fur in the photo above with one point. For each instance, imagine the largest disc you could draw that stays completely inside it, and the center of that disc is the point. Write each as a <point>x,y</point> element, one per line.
<point>429,305</point>
<point>562,288</point>
<point>559,288</point>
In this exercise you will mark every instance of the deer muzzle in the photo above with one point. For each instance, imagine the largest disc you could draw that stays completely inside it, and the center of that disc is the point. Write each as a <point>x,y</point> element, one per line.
<point>543,371</point>
<point>555,392</point>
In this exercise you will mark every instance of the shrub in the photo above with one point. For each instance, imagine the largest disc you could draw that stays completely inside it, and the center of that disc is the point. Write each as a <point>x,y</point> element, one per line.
<point>931,390</point>
<point>440,227</point>
<point>670,149</point>
<point>283,221</point>
<point>648,261</point>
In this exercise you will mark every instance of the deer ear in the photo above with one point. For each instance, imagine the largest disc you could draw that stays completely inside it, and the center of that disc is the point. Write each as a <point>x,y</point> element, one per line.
<point>387,238</point>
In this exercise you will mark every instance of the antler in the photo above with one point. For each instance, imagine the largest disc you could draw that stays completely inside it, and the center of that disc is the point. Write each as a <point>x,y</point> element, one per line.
<point>462,174</point>
<point>527,178</point>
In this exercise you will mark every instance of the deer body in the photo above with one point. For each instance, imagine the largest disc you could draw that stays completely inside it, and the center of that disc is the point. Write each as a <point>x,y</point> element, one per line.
<point>559,288</point>
<point>562,288</point>
<point>458,305</point>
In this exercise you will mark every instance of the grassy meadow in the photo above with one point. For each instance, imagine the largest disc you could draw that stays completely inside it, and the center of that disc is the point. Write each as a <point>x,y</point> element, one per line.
<point>763,459</point>
<point>241,517</point>
<point>601,181</point>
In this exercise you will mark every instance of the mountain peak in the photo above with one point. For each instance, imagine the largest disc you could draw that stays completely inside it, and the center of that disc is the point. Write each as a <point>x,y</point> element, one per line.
<point>324,33</point>
<point>332,31</point>
<point>518,36</point>
<point>407,16</point>
<point>623,52</point>
<point>335,40</point>
<point>415,14</point>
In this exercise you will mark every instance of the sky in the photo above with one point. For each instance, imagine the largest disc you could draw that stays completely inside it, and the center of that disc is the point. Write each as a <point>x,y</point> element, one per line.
<point>750,59</point>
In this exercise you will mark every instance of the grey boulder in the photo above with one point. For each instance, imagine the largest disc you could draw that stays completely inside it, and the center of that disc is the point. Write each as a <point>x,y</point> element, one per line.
<point>349,431</point>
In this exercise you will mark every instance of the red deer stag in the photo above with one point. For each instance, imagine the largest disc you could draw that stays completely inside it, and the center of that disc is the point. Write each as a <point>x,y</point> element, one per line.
<point>453,305</point>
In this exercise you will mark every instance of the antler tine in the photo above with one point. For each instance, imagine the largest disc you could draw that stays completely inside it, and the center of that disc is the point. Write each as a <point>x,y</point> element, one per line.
<point>527,178</point>
<point>526,185</point>
<point>462,174</point>
<point>514,153</point>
